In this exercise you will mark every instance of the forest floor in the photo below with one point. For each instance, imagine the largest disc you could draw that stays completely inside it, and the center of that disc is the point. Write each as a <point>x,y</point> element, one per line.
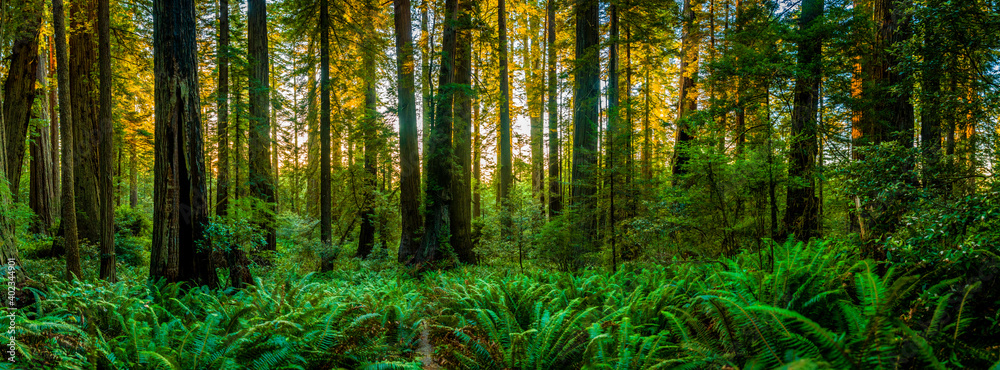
<point>818,306</point>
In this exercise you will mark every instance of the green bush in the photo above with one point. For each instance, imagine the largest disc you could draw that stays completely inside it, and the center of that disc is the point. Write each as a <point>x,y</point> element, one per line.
<point>132,250</point>
<point>132,222</point>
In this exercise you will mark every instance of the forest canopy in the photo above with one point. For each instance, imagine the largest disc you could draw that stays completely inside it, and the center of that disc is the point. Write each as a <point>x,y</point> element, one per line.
<point>323,184</point>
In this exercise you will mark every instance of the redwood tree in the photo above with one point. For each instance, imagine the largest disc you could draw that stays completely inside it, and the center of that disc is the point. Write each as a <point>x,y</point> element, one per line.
<point>82,88</point>
<point>586,105</point>
<point>505,165</point>
<point>687,100</point>
<point>555,193</point>
<point>222,189</point>
<point>105,138</point>
<point>68,197</point>
<point>437,224</point>
<point>19,89</point>
<point>409,156</point>
<point>179,205</point>
<point>259,176</point>
<point>461,210</point>
<point>802,206</point>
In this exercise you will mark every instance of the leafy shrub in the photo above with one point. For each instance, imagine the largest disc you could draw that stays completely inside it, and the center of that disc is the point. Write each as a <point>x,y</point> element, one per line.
<point>132,222</point>
<point>132,250</point>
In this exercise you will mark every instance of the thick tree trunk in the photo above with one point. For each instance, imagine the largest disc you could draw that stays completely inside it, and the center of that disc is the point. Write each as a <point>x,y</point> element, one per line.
<point>259,175</point>
<point>180,209</point>
<point>888,91</point>
<point>585,116</point>
<point>461,191</point>
<point>409,156</point>
<point>369,135</point>
<point>19,90</point>
<point>105,137</point>
<point>437,225</point>
<point>555,193</point>
<point>802,206</point>
<point>83,87</point>
<point>222,51</point>
<point>687,101</point>
<point>68,195</point>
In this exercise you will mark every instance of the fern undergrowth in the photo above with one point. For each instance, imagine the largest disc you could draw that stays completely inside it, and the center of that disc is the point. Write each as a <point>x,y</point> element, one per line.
<point>814,305</point>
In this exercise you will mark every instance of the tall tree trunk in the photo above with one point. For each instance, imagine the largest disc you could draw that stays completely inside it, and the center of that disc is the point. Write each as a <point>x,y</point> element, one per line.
<point>889,91</point>
<point>106,139</point>
<point>613,130</point>
<point>222,190</point>
<point>477,152</point>
<point>802,206</point>
<point>687,101</point>
<point>68,201</point>
<point>82,75</point>
<point>42,190</point>
<point>53,124</point>
<point>555,193</point>
<point>409,156</point>
<point>259,175</point>
<point>586,109</point>
<point>369,136</point>
<point>313,155</point>
<point>536,107</point>
<point>19,90</point>
<point>437,225</point>
<point>180,210</point>
<point>426,83</point>
<point>326,215</point>
<point>461,191</point>
<point>505,165</point>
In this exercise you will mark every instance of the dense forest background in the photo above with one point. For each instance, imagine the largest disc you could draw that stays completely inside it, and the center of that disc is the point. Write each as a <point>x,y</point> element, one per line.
<point>475,184</point>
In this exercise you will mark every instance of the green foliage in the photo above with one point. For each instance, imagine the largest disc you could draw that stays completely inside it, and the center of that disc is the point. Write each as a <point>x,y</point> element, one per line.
<point>132,222</point>
<point>238,233</point>
<point>956,231</point>
<point>132,250</point>
<point>791,306</point>
<point>292,323</point>
<point>882,186</point>
<point>507,235</point>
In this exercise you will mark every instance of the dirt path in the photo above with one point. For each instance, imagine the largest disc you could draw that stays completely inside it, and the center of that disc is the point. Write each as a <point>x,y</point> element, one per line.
<point>426,350</point>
